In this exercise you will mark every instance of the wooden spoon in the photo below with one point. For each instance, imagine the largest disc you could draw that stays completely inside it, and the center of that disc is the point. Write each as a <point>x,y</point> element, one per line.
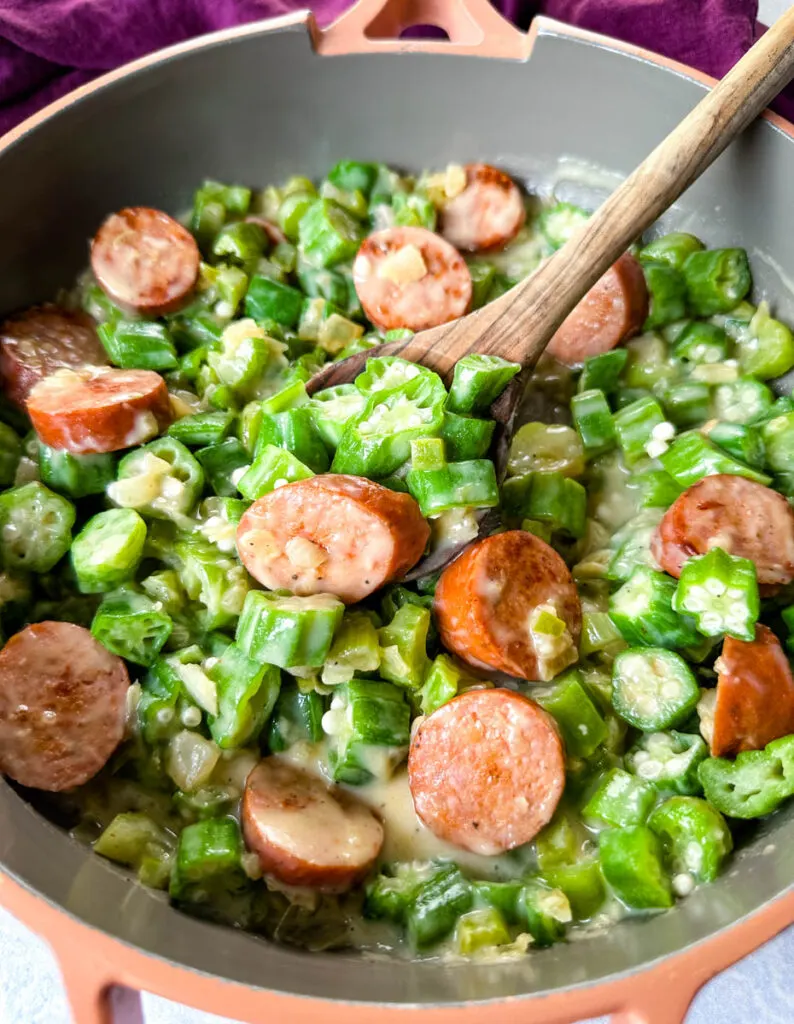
<point>519,324</point>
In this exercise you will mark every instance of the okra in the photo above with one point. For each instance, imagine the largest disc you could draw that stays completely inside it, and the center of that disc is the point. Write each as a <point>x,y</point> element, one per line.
<point>285,630</point>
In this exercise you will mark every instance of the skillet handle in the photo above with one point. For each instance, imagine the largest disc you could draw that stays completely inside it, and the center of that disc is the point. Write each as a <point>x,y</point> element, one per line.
<point>473,27</point>
<point>92,991</point>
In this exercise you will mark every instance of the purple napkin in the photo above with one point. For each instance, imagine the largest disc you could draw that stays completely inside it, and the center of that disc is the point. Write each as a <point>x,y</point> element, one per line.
<point>48,47</point>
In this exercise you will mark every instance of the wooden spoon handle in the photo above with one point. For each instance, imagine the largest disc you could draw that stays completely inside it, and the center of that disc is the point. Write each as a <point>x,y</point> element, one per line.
<point>528,316</point>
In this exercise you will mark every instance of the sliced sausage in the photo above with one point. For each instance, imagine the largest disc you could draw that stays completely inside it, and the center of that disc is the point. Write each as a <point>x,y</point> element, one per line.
<point>40,341</point>
<point>486,598</point>
<point>410,277</point>
<point>755,695</point>
<point>740,516</point>
<point>487,214</point>
<point>613,310</point>
<point>99,410</point>
<point>305,833</point>
<point>145,260</point>
<point>62,706</point>
<point>486,771</point>
<point>331,534</point>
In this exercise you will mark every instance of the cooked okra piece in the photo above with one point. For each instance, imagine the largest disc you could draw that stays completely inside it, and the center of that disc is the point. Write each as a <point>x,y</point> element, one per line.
<point>716,280</point>
<point>294,431</point>
<point>161,479</point>
<point>653,688</point>
<point>133,839</point>
<point>352,175</point>
<point>667,293</point>
<point>369,728</point>
<point>631,859</point>
<point>328,234</point>
<point>778,439</point>
<point>742,401</point>
<point>593,419</point>
<point>548,497</point>
<point>720,592</point>
<point>108,550</point>
<point>202,428</point>
<point>638,426</point>
<point>286,630</point>
<point>332,409</point>
<point>546,448</point>
<point>583,884</point>
<point>671,249</point>
<point>138,344</point>
<point>581,723</point>
<point>35,527</point>
<point>247,692</point>
<point>267,299</point>
<point>547,913</point>
<point>642,609</point>
<point>404,646</point>
<point>744,443</point>
<point>221,462</point>
<point>208,852</point>
<point>466,437</point>
<point>655,488</point>
<point>291,210</point>
<point>297,716</point>
<point>480,929</point>
<point>669,760</point>
<point>454,485</point>
<point>10,454</point>
<point>695,838</point>
<point>599,633</point>
<point>219,585</point>
<point>437,906</point>
<point>131,625</point>
<point>478,381</point>
<point>272,468</point>
<point>766,346</point>
<point>620,799</point>
<point>602,372</point>
<point>691,457</point>
<point>701,343</point>
<point>393,891</point>
<point>443,682</point>
<point>559,222</point>
<point>355,649</point>
<point>753,785</point>
<point>75,475</point>
<point>240,243</point>
<point>687,404</point>
<point>632,544</point>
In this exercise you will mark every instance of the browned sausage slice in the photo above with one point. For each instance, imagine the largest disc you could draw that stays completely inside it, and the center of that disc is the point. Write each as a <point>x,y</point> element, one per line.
<point>145,260</point>
<point>99,410</point>
<point>40,341</point>
<point>331,534</point>
<point>305,833</point>
<point>486,599</point>
<point>755,695</point>
<point>410,277</point>
<point>487,214</point>
<point>62,706</point>
<point>486,771</point>
<point>740,516</point>
<point>613,310</point>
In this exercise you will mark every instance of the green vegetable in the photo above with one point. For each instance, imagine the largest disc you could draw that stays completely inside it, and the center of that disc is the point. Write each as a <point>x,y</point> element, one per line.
<point>581,723</point>
<point>267,299</point>
<point>672,249</point>
<point>480,929</point>
<point>404,646</point>
<point>443,682</point>
<point>332,409</point>
<point>247,692</point>
<point>74,475</point>
<point>742,401</point>
<point>548,497</point>
<point>635,427</point>
<point>294,431</point>
<point>285,630</point>
<point>602,372</point>
<point>716,280</point>
<point>695,838</point>
<point>583,885</point>
<point>297,716</point>
<point>766,346</point>
<point>208,852</point>
<point>370,730</point>
<point>667,292</point>
<point>720,591</point>
<point>35,528</point>
<point>107,550</point>
<point>131,625</point>
<point>271,466</point>
<point>394,890</point>
<point>593,419</point>
<point>466,437</point>
<point>753,785</point>
<point>687,404</point>
<point>355,649</point>
<point>202,428</point>
<point>453,485</point>
<point>620,799</point>
<point>478,381</point>
<point>138,344</point>
<point>328,234</point>
<point>741,442</point>
<point>218,584</point>
<point>160,479</point>
<point>631,859</point>
<point>669,760</point>
<point>559,222</point>
<point>702,343</point>
<point>691,457</point>
<point>220,463</point>
<point>437,905</point>
<point>547,912</point>
<point>133,839</point>
<point>642,609</point>
<point>653,688</point>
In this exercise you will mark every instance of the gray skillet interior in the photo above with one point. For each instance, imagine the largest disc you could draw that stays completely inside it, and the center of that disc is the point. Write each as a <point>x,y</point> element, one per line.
<point>256,110</point>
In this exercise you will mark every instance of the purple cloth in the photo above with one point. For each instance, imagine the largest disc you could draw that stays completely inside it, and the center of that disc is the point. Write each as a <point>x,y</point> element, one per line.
<point>48,47</point>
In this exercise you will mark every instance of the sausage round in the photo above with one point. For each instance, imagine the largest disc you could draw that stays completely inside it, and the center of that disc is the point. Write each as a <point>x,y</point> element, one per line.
<point>485,598</point>
<point>331,534</point>
<point>99,410</point>
<point>145,260</point>
<point>487,214</point>
<point>738,515</point>
<point>40,341</point>
<point>305,833</point>
<point>613,310</point>
<point>412,278</point>
<point>486,771</point>
<point>755,695</point>
<point>62,706</point>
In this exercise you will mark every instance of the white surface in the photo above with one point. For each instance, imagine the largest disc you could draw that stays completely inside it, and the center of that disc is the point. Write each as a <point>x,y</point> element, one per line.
<point>759,990</point>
